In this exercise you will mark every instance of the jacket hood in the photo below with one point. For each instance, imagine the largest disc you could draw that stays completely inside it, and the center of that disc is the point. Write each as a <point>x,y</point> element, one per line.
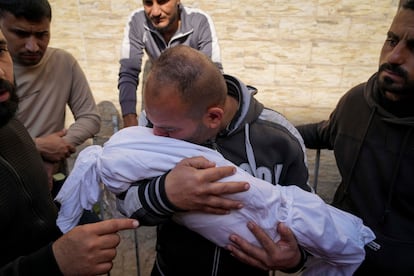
<point>377,102</point>
<point>249,108</point>
<point>373,97</point>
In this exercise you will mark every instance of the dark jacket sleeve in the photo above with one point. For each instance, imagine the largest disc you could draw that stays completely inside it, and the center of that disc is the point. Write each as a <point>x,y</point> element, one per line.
<point>147,201</point>
<point>297,174</point>
<point>314,135</point>
<point>322,135</point>
<point>41,262</point>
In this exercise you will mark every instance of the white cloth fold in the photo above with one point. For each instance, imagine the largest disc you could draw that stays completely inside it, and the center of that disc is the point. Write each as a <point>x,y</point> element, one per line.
<point>335,238</point>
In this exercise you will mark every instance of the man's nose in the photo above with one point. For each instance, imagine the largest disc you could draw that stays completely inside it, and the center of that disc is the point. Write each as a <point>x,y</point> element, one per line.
<point>398,54</point>
<point>155,10</point>
<point>32,44</point>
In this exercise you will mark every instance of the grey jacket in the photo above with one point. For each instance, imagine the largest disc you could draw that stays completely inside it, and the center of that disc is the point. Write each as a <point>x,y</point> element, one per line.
<point>196,30</point>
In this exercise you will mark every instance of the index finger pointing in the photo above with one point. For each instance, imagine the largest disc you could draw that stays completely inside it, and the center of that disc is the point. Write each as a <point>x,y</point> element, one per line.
<point>114,225</point>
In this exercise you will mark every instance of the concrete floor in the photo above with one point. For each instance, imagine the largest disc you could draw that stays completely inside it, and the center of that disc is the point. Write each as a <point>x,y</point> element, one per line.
<point>301,55</point>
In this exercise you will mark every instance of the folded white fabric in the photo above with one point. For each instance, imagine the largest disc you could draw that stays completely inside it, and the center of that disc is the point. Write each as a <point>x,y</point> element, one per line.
<point>335,238</point>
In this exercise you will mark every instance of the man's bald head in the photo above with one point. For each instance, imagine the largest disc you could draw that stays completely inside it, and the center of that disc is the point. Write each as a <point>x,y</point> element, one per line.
<point>195,77</point>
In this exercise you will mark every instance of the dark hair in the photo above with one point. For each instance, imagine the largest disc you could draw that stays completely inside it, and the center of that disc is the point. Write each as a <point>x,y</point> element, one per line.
<point>32,10</point>
<point>407,4</point>
<point>198,80</point>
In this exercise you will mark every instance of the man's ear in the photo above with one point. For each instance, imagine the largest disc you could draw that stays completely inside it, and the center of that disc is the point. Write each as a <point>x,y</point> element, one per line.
<point>213,117</point>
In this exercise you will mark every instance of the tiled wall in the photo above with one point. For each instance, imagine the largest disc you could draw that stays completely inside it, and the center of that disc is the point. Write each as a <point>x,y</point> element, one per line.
<point>301,55</point>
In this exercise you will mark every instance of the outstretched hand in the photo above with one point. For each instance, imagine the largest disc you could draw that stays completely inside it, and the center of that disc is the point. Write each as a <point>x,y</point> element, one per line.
<point>193,185</point>
<point>281,255</point>
<point>89,249</point>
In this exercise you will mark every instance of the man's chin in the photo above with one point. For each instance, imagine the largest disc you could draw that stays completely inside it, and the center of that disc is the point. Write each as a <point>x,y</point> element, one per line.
<point>6,113</point>
<point>396,93</point>
<point>161,26</point>
<point>390,85</point>
<point>29,61</point>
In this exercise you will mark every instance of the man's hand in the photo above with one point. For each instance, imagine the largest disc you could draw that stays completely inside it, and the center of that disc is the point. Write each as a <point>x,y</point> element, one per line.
<point>281,255</point>
<point>53,147</point>
<point>89,249</point>
<point>192,185</point>
<point>130,120</point>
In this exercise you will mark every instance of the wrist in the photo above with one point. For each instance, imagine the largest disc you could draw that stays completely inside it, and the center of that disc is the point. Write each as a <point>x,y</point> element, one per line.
<point>164,195</point>
<point>36,141</point>
<point>301,264</point>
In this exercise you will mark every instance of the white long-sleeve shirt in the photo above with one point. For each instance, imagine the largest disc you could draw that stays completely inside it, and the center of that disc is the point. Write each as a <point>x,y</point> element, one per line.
<point>335,238</point>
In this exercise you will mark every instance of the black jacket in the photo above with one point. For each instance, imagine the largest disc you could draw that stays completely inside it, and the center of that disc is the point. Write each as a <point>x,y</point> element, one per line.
<point>27,212</point>
<point>373,143</point>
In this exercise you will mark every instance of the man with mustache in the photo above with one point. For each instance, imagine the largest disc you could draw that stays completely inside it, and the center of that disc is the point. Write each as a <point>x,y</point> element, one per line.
<point>371,132</point>
<point>47,79</point>
<point>159,25</point>
<point>30,241</point>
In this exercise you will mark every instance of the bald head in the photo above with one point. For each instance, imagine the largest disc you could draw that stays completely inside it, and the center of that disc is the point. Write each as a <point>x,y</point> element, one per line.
<point>196,79</point>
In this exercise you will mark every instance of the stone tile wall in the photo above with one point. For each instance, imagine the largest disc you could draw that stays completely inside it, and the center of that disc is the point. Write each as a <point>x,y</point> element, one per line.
<point>301,55</point>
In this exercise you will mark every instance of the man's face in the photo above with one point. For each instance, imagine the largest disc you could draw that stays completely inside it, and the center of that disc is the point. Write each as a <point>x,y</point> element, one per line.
<point>170,118</point>
<point>27,41</point>
<point>163,14</point>
<point>396,70</point>
<point>8,96</point>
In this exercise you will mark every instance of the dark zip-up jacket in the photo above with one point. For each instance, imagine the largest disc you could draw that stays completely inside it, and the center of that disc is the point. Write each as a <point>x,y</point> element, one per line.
<point>374,151</point>
<point>27,212</point>
<point>259,140</point>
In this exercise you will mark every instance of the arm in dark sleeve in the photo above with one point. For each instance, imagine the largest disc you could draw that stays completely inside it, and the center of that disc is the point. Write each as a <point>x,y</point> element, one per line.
<point>310,134</point>
<point>132,52</point>
<point>41,262</point>
<point>295,168</point>
<point>147,201</point>
<point>298,175</point>
<point>322,135</point>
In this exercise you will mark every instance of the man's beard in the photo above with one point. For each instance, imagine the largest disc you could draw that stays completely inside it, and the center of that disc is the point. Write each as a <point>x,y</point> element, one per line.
<point>386,84</point>
<point>200,136</point>
<point>169,26</point>
<point>9,107</point>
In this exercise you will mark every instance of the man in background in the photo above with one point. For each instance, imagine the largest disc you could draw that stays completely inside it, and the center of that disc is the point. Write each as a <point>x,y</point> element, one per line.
<point>371,132</point>
<point>157,26</point>
<point>30,241</point>
<point>47,80</point>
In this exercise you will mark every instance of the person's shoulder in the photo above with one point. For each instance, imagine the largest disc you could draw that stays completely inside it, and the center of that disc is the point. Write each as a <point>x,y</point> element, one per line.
<point>137,12</point>
<point>196,13</point>
<point>59,53</point>
<point>354,93</point>
<point>137,15</point>
<point>65,60</point>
